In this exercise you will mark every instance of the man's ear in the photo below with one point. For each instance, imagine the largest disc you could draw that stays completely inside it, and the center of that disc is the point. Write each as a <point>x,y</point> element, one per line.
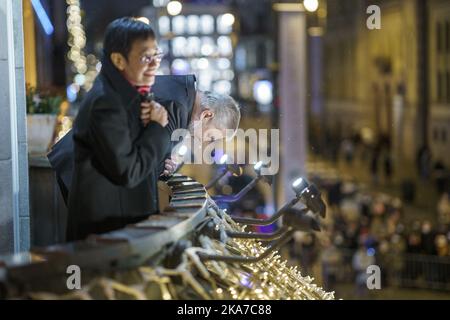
<point>207,115</point>
<point>118,60</point>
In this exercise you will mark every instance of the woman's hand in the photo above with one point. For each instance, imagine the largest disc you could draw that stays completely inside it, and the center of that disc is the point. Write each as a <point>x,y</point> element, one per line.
<point>153,111</point>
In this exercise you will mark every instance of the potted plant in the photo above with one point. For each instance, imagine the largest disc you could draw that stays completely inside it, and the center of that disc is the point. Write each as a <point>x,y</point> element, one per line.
<point>42,111</point>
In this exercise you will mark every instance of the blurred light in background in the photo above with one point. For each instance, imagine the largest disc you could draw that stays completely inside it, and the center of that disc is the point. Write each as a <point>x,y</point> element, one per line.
<point>225,46</point>
<point>225,23</point>
<point>192,24</point>
<point>193,46</point>
<point>160,3</point>
<point>174,8</point>
<point>207,24</point>
<point>43,17</point>
<point>201,45</point>
<point>72,92</point>
<point>223,64</point>
<point>222,87</point>
<point>80,79</point>
<point>228,75</point>
<point>164,25</point>
<point>208,46</point>
<point>204,80</point>
<point>180,66</point>
<point>179,24</point>
<point>263,92</point>
<point>203,63</point>
<point>178,46</point>
<point>98,66</point>
<point>311,5</point>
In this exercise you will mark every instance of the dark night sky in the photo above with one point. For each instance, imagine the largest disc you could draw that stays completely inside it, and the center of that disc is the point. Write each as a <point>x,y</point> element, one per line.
<point>100,13</point>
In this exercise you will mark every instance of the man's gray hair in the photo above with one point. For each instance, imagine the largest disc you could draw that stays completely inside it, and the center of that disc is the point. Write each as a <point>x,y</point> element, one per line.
<point>225,108</point>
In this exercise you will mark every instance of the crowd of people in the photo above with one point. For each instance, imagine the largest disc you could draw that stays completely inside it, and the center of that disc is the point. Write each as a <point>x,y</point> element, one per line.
<point>364,229</point>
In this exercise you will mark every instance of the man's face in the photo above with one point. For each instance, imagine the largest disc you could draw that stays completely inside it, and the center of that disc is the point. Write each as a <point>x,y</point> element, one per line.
<point>204,130</point>
<point>142,63</point>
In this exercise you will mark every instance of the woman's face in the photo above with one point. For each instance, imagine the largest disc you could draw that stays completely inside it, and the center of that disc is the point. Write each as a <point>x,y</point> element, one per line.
<point>142,63</point>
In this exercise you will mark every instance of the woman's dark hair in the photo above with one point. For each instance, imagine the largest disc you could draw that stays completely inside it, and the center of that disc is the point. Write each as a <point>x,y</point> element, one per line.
<point>123,32</point>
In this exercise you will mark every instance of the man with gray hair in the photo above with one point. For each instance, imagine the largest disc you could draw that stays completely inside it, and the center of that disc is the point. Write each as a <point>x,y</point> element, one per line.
<point>224,110</point>
<point>213,117</point>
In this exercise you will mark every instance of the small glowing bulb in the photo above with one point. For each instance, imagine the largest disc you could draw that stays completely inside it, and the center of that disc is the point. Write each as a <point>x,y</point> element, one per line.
<point>228,19</point>
<point>258,165</point>
<point>311,5</point>
<point>183,150</point>
<point>297,182</point>
<point>223,159</point>
<point>174,8</point>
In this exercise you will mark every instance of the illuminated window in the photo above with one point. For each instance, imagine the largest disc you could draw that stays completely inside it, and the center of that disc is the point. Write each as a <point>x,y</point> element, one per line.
<point>194,64</point>
<point>225,23</point>
<point>206,24</point>
<point>208,46</point>
<point>223,63</point>
<point>179,24</point>
<point>227,75</point>
<point>216,75</point>
<point>160,3</point>
<point>164,45</point>
<point>222,87</point>
<point>193,46</point>
<point>164,25</point>
<point>225,46</point>
<point>180,66</point>
<point>204,80</point>
<point>193,24</point>
<point>179,46</point>
<point>203,64</point>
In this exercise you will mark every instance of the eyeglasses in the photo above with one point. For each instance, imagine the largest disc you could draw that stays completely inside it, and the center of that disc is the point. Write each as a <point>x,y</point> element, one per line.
<point>156,57</point>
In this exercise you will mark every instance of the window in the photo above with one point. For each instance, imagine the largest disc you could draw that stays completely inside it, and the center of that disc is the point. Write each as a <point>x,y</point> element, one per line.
<point>160,3</point>
<point>180,66</point>
<point>206,24</point>
<point>193,46</point>
<point>164,25</point>
<point>225,46</point>
<point>192,24</point>
<point>179,46</point>
<point>179,25</point>
<point>225,23</point>
<point>222,87</point>
<point>208,46</point>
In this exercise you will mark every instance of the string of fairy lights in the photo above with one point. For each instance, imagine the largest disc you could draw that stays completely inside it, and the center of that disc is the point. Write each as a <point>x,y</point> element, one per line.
<point>85,68</point>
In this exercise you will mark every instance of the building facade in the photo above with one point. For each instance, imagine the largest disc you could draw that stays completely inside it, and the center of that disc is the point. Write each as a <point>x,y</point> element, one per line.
<point>393,80</point>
